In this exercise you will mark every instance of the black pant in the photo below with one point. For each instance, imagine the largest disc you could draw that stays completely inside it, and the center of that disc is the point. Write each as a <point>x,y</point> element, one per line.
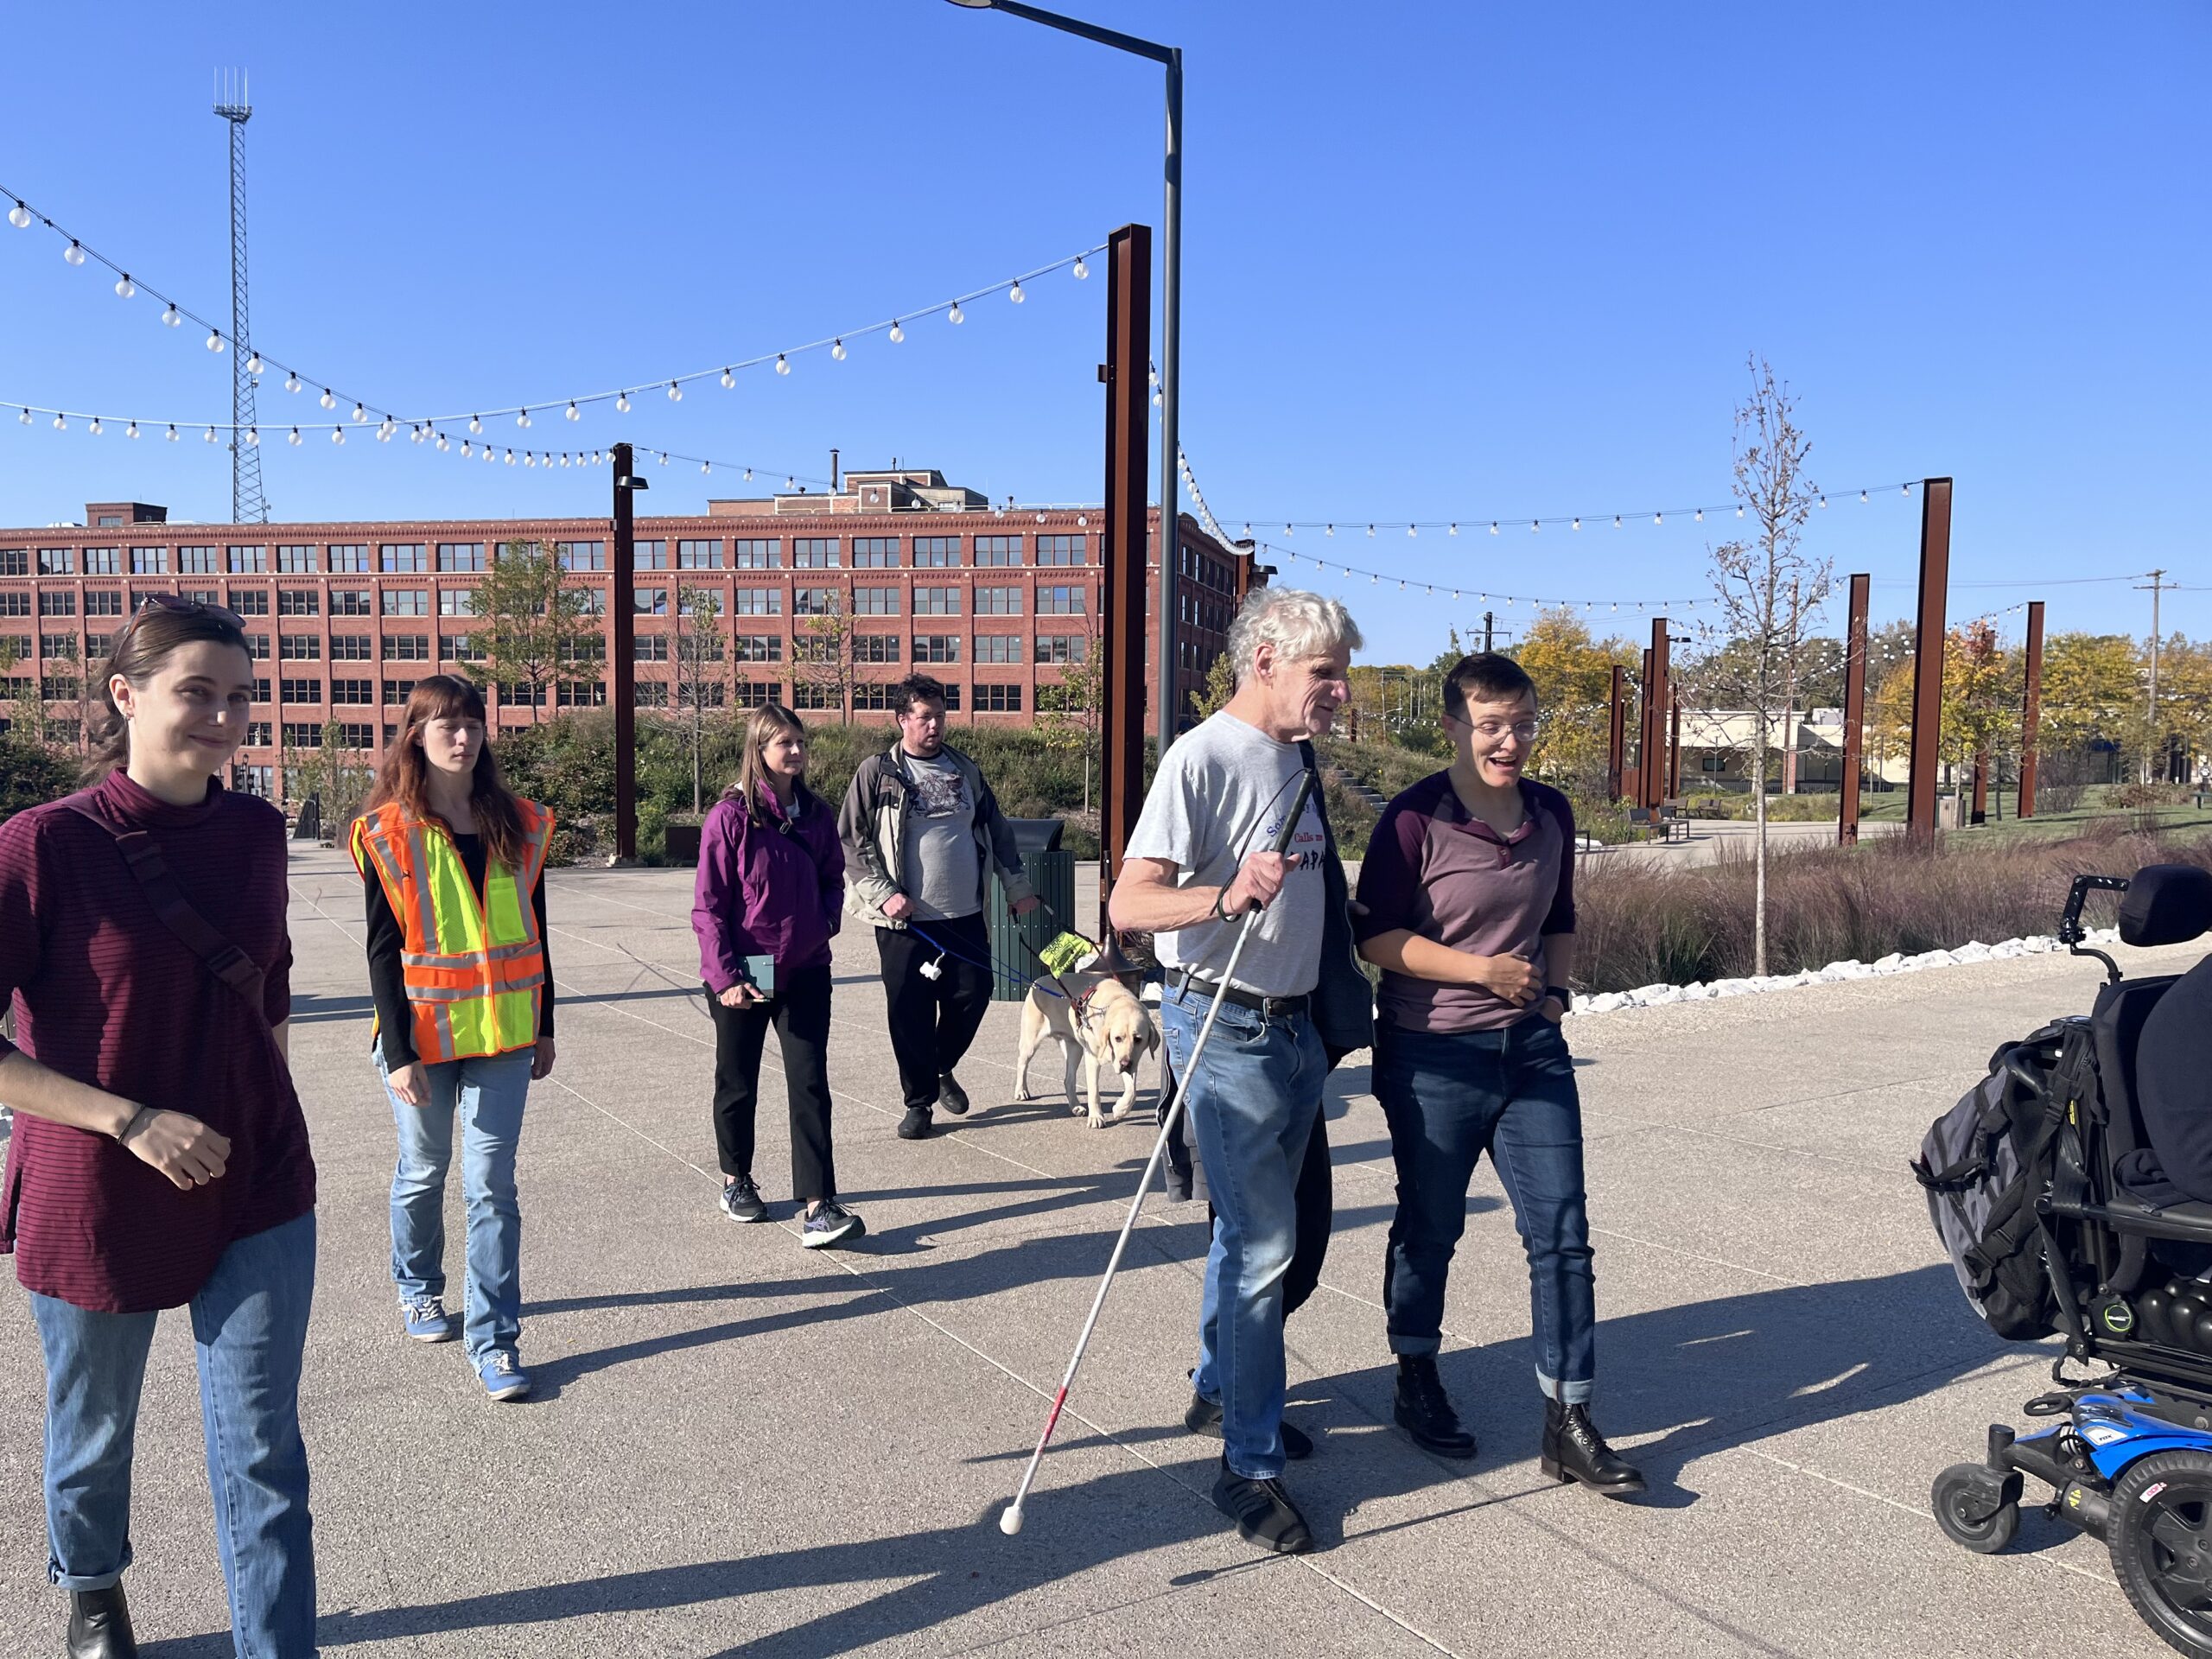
<point>932,1021</point>
<point>800,1013</point>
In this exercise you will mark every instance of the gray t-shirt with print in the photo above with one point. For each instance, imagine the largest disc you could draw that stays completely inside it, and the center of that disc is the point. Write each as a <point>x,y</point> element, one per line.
<point>1220,797</point>
<point>943,874</point>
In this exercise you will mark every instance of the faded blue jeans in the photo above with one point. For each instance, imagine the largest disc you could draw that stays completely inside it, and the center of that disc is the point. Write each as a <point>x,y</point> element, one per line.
<point>249,1326</point>
<point>486,1092</point>
<point>1448,1097</point>
<point>1253,1099</point>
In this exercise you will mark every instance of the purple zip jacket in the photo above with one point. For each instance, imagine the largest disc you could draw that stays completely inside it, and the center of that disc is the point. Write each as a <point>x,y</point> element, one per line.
<point>766,886</point>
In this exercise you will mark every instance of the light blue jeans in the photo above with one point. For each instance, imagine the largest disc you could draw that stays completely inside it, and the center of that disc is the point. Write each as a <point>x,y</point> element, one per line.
<point>1252,1098</point>
<point>249,1326</point>
<point>487,1093</point>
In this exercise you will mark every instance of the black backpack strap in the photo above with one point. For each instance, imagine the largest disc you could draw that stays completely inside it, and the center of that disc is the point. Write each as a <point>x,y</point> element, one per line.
<point>142,857</point>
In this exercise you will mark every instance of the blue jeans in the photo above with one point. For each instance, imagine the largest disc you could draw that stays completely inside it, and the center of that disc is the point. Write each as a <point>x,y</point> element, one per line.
<point>1448,1096</point>
<point>249,1325</point>
<point>488,1092</point>
<point>1252,1098</point>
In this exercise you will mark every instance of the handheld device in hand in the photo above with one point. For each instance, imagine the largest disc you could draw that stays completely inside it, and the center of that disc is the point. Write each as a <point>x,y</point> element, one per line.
<point>760,973</point>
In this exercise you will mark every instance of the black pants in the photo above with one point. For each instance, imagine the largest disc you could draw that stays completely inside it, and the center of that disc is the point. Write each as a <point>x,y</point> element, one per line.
<point>800,1013</point>
<point>933,1020</point>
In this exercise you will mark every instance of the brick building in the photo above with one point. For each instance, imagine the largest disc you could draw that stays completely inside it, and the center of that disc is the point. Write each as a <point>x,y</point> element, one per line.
<point>919,574</point>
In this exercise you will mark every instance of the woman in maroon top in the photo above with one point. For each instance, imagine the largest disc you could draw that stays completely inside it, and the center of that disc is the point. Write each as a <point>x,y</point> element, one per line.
<point>159,1157</point>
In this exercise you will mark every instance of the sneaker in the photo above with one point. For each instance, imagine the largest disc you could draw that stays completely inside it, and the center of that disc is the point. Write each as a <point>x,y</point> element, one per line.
<point>741,1200</point>
<point>951,1096</point>
<point>832,1224</point>
<point>503,1376</point>
<point>428,1320</point>
<point>915,1126</point>
<point>1204,1417</point>
<point>1262,1511</point>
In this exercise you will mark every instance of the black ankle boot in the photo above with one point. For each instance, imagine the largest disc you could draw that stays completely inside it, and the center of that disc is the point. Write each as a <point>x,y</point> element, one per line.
<point>99,1625</point>
<point>1574,1450</point>
<point>1424,1410</point>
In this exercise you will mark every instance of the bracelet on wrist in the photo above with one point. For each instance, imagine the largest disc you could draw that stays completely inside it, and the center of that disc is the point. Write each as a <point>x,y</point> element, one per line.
<point>123,1135</point>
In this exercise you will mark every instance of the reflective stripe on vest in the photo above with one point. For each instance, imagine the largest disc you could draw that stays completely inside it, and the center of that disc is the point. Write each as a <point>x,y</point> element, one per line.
<point>473,965</point>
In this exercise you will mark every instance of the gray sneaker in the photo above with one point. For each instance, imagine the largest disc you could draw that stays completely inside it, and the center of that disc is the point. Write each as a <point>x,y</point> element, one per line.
<point>741,1200</point>
<point>832,1224</point>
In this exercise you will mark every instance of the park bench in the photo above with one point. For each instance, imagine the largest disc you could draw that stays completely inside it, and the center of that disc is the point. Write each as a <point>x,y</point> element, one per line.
<point>1666,821</point>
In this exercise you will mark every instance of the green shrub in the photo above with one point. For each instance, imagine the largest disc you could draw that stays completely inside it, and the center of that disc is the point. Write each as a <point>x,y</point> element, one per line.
<point>32,774</point>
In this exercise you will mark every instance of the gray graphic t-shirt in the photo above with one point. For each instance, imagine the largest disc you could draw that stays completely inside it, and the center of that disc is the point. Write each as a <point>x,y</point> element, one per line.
<point>1221,795</point>
<point>943,875</point>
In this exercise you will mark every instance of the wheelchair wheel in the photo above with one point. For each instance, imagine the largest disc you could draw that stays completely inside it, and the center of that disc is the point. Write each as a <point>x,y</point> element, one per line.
<point>1963,1508</point>
<point>2161,1540</point>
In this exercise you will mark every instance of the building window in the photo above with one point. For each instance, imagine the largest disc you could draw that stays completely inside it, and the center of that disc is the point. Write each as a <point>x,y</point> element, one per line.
<point>522,693</point>
<point>593,650</point>
<point>356,691</point>
<point>937,601</point>
<point>196,561</point>
<point>261,691</point>
<point>815,552</point>
<point>108,601</point>
<point>14,561</point>
<point>650,693</point>
<point>257,734</point>
<point>756,554</point>
<point>57,602</point>
<point>751,694</point>
<point>875,647</point>
<point>998,648</point>
<point>103,560</point>
<point>358,735</point>
<point>871,698</point>
<point>405,557</point>
<point>296,559</point>
<point>810,696</point>
<point>15,604</point>
<point>406,601</point>
<point>1059,549</point>
<point>699,556</point>
<point>299,647</point>
<point>580,693</point>
<point>352,648</point>
<point>875,601</point>
<point>57,561</point>
<point>252,601</point>
<point>952,699</point>
<point>98,646</point>
<point>301,691</point>
<point>998,550</point>
<point>1060,647</point>
<point>817,601</point>
<point>758,647</point>
<point>649,602</point>
<point>1059,601</point>
<point>935,552</point>
<point>298,602</point>
<point>456,601</point>
<point>149,561</point>
<point>590,601</point>
<point>244,561</point>
<point>581,555</point>
<point>649,555</point>
<point>258,781</point>
<point>395,693</point>
<point>302,734</point>
<point>458,556</point>
<point>459,648</point>
<point>998,699</point>
<point>650,648</point>
<point>998,601</point>
<point>937,647</point>
<point>204,595</point>
<point>58,644</point>
<point>876,552</point>
<point>352,602</point>
<point>349,557</point>
<point>407,647</point>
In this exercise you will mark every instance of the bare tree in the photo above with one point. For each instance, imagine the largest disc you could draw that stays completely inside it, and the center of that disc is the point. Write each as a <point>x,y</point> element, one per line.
<point>699,682</point>
<point>1068,713</point>
<point>825,650</point>
<point>532,621</point>
<point>1770,595</point>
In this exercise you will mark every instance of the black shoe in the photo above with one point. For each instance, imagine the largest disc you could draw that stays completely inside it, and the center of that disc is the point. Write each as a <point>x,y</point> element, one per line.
<point>1574,1450</point>
<point>831,1224</point>
<point>915,1126</point>
<point>1424,1410</point>
<point>951,1096</point>
<point>742,1199</point>
<point>1204,1418</point>
<point>99,1625</point>
<point>1262,1511</point>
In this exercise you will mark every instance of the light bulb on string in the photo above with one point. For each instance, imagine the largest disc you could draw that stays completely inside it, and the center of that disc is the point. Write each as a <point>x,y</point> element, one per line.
<point>60,424</point>
<point>253,364</point>
<point>729,379</point>
<point>1159,397</point>
<point>383,433</point>
<point>126,287</point>
<point>1412,530</point>
<point>897,333</point>
<point>360,413</point>
<point>20,217</point>
<point>24,418</point>
<point>564,457</point>
<point>706,466</point>
<point>474,423</point>
<point>327,400</point>
<point>172,316</point>
<point>675,392</point>
<point>171,435</point>
<point>214,340</point>
<point>956,315</point>
<point>528,459</point>
<point>622,402</point>
<point>1015,293</point>
<point>442,445</point>
<point>574,414</point>
<point>294,439</point>
<point>73,253</point>
<point>131,431</point>
<point>1578,523</point>
<point>291,381</point>
<point>511,457</point>
<point>748,474</point>
<point>415,433</point>
<point>1617,521</point>
<point>1535,526</point>
<point>466,453</point>
<point>1370,532</point>
<point>253,437</point>
<point>338,435</point>
<point>1493,526</point>
<point>837,350</point>
<point>1862,497</point>
<point>522,416</point>
<point>1739,512</point>
<point>1824,503</point>
<point>782,366</point>
<point>1905,489</point>
<point>1700,515</point>
<point>95,428</point>
<point>489,453</point>
<point>1081,269</point>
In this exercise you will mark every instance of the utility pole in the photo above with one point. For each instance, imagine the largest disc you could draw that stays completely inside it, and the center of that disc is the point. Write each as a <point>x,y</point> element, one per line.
<point>248,506</point>
<point>1488,620</point>
<point>2153,739</point>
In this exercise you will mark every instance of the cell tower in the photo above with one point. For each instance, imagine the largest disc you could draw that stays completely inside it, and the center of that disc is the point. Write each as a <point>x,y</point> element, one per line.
<point>248,506</point>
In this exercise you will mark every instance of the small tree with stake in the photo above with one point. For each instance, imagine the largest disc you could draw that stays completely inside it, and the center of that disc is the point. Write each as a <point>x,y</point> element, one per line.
<point>699,684</point>
<point>1770,595</point>
<point>531,621</point>
<point>824,652</point>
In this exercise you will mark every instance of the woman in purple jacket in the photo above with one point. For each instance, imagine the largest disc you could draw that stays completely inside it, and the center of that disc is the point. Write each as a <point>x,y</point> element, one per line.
<point>771,885</point>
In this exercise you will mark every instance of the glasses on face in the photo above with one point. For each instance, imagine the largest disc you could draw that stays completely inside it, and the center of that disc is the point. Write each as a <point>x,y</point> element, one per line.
<point>1491,731</point>
<point>179,606</point>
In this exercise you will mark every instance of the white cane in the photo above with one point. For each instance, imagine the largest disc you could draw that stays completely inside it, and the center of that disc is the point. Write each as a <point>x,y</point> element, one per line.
<point>1010,1521</point>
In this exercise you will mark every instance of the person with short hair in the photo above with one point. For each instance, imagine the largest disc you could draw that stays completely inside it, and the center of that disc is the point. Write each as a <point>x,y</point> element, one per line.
<point>922,833</point>
<point>769,892</point>
<point>1203,858</point>
<point>1468,889</point>
<point>160,1158</point>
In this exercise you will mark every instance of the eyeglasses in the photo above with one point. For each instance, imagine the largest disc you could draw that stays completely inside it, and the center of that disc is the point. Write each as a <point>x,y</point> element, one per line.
<point>1490,730</point>
<point>177,604</point>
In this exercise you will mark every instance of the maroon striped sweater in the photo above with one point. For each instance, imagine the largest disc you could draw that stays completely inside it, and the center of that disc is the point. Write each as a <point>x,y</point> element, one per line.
<point>107,994</point>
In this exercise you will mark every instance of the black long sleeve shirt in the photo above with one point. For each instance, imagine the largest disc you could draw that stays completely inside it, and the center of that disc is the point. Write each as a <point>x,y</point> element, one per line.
<point>388,987</point>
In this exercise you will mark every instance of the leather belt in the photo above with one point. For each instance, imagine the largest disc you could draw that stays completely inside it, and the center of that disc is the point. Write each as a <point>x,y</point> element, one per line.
<point>1272,1008</point>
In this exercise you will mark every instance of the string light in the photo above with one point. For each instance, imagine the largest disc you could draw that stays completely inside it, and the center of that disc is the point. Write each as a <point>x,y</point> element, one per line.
<point>20,217</point>
<point>171,435</point>
<point>208,437</point>
<point>782,368</point>
<point>125,287</point>
<point>214,340</point>
<point>1082,271</point>
<point>897,334</point>
<point>95,428</point>
<point>522,416</point>
<point>171,317</point>
<point>295,439</point>
<point>361,413</point>
<point>74,253</point>
<point>133,430</point>
<point>956,315</point>
<point>675,392</point>
<point>574,414</point>
<point>622,404</point>
<point>253,364</point>
<point>1015,293</point>
<point>837,350</point>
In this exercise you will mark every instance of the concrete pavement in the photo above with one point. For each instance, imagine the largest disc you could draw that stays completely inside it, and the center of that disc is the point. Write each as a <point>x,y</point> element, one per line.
<point>741,1448</point>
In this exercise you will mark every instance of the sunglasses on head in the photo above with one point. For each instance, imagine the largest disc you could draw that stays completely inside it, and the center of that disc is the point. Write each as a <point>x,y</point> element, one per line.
<point>178,604</point>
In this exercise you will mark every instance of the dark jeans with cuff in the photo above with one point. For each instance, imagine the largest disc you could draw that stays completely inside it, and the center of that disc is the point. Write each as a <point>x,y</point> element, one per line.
<point>800,1011</point>
<point>933,1020</point>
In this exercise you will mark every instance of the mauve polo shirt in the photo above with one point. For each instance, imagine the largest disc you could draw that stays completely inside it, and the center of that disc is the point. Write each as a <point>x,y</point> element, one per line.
<point>1434,869</point>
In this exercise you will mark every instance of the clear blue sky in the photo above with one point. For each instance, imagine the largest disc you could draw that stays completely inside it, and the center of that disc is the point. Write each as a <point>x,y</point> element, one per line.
<point>1441,261</point>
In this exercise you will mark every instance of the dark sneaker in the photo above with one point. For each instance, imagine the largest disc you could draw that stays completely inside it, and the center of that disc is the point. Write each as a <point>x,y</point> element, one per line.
<point>1424,1410</point>
<point>99,1625</point>
<point>915,1126</point>
<point>951,1096</point>
<point>742,1199</point>
<point>428,1320</point>
<point>1204,1417</point>
<point>832,1224</point>
<point>1262,1511</point>
<point>503,1376</point>
<point>1574,1450</point>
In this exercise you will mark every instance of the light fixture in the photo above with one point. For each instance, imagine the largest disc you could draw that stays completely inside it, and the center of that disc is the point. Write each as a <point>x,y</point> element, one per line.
<point>385,432</point>
<point>1905,489</point>
<point>1454,530</point>
<point>214,340</point>
<point>296,436</point>
<point>1824,503</point>
<point>442,445</point>
<point>528,459</point>
<point>415,433</point>
<point>1015,293</point>
<point>465,452</point>
<point>748,474</point>
<point>73,253</point>
<point>360,413</point>
<point>897,333</point>
<point>253,364</point>
<point>1658,517</point>
<point>1617,521</point>
<point>574,414</point>
<point>20,217</point>
<point>59,423</point>
<point>522,417</point>
<point>95,428</point>
<point>488,455</point>
<point>171,435</point>
<point>1330,530</point>
<point>622,402</point>
<point>1739,512</point>
<point>1493,526</point>
<point>131,431</point>
<point>172,316</point>
<point>1862,495</point>
<point>782,368</point>
<point>252,437</point>
<point>1370,532</point>
<point>1700,515</point>
<point>208,437</point>
<point>956,315</point>
<point>1535,526</point>
<point>126,287</point>
<point>1082,271</point>
<point>338,435</point>
<point>291,381</point>
<point>1159,397</point>
<point>837,350</point>
<point>564,457</point>
<point>675,392</point>
<point>1578,523</point>
<point>706,466</point>
<point>327,400</point>
<point>511,457</point>
<point>474,423</point>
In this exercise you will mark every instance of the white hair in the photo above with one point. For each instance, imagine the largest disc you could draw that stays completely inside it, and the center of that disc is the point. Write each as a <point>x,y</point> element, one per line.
<point>1298,625</point>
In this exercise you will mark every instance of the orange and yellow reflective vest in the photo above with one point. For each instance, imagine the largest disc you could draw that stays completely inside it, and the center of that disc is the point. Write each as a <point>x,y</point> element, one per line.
<point>474,963</point>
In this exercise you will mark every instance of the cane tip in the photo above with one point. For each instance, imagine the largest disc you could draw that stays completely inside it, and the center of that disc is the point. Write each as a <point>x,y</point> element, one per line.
<point>1010,1521</point>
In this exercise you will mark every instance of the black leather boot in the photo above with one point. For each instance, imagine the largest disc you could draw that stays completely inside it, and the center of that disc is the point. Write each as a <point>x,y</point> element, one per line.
<point>1424,1410</point>
<point>99,1625</point>
<point>1574,1450</point>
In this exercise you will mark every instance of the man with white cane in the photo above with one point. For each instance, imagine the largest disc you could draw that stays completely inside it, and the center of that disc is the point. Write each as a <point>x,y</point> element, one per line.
<point>1197,863</point>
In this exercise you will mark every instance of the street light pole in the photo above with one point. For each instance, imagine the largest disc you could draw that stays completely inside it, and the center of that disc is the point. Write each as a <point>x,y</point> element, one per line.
<point>1168,715</point>
<point>624,667</point>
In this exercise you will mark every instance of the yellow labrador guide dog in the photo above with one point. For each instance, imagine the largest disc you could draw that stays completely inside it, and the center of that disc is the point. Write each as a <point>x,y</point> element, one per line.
<point>1100,1022</point>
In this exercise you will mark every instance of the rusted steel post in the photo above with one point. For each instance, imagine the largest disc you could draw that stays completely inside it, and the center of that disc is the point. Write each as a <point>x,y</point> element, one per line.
<point>1981,788</point>
<point>1655,775</point>
<point>1854,711</point>
<point>1675,749</point>
<point>1121,625</point>
<point>1927,656</point>
<point>1643,732</point>
<point>2031,710</point>
<point>1617,735</point>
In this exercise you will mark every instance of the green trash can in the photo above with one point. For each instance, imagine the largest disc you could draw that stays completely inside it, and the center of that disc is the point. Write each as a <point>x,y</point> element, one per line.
<point>1052,874</point>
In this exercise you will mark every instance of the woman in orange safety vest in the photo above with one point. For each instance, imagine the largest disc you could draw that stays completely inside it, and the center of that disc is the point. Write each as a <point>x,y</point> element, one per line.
<point>454,863</point>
